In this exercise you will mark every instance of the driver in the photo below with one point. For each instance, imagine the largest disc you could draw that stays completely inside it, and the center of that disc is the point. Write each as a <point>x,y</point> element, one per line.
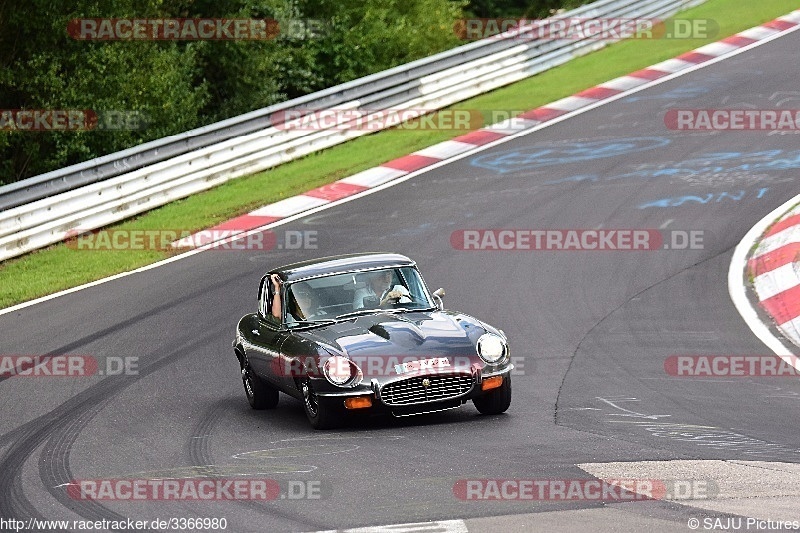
<point>379,288</point>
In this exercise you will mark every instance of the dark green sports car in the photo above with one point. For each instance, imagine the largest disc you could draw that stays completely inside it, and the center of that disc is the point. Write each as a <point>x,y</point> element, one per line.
<point>361,334</point>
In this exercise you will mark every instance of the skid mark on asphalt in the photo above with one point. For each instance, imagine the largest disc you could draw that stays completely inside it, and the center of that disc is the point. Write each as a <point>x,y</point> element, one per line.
<point>219,470</point>
<point>201,458</point>
<point>58,430</point>
<point>264,461</point>
<point>339,436</point>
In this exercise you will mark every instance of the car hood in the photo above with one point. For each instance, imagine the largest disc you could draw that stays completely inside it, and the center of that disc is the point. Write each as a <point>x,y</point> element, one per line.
<point>415,334</point>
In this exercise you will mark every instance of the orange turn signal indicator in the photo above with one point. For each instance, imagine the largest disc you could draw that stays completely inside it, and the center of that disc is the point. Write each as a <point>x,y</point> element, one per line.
<point>358,402</point>
<point>492,383</point>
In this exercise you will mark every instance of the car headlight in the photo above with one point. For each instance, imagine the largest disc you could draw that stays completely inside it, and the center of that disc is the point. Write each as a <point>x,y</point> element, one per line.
<point>491,348</point>
<point>341,371</point>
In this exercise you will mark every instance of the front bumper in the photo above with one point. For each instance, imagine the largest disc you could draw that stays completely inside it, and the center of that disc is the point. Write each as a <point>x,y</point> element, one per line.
<point>447,391</point>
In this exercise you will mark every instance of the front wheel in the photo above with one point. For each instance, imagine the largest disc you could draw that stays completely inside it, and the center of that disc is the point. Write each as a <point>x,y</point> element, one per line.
<point>320,416</point>
<point>496,401</point>
<point>260,394</point>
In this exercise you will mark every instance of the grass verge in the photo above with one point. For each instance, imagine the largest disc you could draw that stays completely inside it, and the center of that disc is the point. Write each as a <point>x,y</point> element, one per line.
<point>59,267</point>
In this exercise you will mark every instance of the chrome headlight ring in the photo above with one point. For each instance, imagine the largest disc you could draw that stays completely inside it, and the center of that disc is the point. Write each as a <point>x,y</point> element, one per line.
<point>491,348</point>
<point>342,372</point>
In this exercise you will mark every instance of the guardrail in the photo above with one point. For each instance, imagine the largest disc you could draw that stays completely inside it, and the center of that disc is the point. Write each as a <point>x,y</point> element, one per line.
<point>51,207</point>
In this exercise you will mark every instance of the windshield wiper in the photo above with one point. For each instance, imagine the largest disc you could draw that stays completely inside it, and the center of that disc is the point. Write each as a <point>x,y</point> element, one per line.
<point>411,309</point>
<point>359,313</point>
<point>314,323</point>
<point>379,310</point>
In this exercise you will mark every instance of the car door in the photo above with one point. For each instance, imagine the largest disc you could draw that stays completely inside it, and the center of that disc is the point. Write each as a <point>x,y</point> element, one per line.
<point>266,337</point>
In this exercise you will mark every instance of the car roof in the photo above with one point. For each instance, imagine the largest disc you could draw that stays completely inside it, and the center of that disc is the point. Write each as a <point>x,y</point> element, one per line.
<point>340,264</point>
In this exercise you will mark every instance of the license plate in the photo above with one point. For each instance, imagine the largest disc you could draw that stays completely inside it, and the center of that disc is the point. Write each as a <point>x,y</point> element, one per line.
<point>422,365</point>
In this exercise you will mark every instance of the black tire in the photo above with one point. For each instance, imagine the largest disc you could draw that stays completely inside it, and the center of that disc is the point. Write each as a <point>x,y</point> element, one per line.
<point>497,401</point>
<point>259,393</point>
<point>320,416</point>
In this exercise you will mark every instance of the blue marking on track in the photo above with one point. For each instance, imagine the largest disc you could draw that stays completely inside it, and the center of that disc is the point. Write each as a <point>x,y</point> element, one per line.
<point>680,93</point>
<point>712,197</point>
<point>704,164</point>
<point>564,153</point>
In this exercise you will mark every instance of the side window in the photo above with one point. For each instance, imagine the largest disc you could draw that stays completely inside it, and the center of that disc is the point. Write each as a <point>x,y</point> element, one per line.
<point>263,298</point>
<point>413,281</point>
<point>268,297</point>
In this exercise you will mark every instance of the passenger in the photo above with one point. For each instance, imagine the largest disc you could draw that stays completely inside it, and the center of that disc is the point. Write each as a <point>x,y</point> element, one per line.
<point>302,305</point>
<point>305,302</point>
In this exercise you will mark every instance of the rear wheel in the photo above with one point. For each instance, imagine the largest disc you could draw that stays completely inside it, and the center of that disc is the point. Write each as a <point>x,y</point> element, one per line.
<point>497,401</point>
<point>259,393</point>
<point>320,416</point>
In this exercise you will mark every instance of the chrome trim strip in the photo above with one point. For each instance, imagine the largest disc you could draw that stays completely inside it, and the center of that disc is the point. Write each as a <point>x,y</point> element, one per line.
<point>356,271</point>
<point>427,412</point>
<point>344,394</point>
<point>499,373</point>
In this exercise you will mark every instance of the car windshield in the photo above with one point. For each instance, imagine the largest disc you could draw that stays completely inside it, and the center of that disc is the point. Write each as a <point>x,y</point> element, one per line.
<point>320,299</point>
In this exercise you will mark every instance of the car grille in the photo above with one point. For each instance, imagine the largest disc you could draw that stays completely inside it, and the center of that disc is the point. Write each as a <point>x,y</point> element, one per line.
<point>413,390</point>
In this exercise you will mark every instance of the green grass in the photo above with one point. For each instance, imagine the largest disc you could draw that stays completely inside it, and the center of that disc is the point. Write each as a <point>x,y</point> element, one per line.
<point>59,267</point>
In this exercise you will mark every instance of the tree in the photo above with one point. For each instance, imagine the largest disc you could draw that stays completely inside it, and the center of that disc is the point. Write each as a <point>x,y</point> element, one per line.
<point>175,86</point>
<point>43,68</point>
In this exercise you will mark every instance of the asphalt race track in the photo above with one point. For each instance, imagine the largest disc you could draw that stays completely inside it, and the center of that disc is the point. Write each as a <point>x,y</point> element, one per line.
<point>593,328</point>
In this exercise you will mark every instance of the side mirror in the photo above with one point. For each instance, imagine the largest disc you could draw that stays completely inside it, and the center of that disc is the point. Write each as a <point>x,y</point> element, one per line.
<point>438,294</point>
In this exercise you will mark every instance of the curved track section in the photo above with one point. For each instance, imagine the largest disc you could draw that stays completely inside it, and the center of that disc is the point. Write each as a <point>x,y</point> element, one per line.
<point>594,329</point>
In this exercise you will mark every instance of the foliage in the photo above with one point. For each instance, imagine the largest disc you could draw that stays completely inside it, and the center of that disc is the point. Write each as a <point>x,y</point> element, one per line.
<point>170,86</point>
